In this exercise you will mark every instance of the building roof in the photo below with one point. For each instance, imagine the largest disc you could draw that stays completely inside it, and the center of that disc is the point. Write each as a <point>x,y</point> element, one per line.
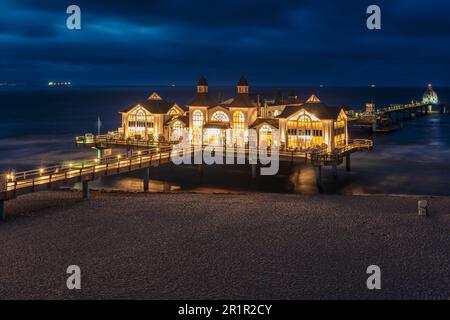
<point>154,104</point>
<point>242,82</point>
<point>275,123</point>
<point>243,100</point>
<point>203,100</point>
<point>286,101</point>
<point>172,119</point>
<point>318,109</point>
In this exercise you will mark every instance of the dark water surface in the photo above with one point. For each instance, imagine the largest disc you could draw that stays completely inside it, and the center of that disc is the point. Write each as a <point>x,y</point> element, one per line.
<point>38,125</point>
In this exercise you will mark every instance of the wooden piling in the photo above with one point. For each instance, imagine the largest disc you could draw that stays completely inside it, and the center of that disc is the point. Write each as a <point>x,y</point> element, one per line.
<point>2,211</point>
<point>334,168</point>
<point>318,170</point>
<point>146,179</point>
<point>347,163</point>
<point>254,171</point>
<point>85,189</point>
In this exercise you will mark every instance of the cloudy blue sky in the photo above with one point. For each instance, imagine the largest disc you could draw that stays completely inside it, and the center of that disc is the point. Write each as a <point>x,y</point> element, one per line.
<point>301,42</point>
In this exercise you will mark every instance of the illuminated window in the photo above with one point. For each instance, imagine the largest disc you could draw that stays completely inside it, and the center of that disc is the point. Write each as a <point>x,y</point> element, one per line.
<point>239,120</point>
<point>177,131</point>
<point>139,123</point>
<point>303,132</point>
<point>239,126</point>
<point>220,116</point>
<point>197,119</point>
<point>265,135</point>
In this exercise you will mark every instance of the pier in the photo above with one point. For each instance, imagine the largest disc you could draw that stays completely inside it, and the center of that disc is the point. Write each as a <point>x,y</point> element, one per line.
<point>142,158</point>
<point>390,118</point>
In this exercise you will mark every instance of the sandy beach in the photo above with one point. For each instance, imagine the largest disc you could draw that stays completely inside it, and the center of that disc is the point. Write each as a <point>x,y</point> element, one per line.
<point>224,246</point>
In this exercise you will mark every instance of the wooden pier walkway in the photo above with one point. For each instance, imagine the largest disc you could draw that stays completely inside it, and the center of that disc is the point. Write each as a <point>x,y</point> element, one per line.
<point>13,185</point>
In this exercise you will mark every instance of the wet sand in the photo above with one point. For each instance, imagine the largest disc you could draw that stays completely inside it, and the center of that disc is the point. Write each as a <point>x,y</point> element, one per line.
<point>224,246</point>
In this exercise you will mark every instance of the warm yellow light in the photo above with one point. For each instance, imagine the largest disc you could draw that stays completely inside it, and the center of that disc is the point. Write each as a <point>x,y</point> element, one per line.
<point>139,153</point>
<point>95,160</point>
<point>8,177</point>
<point>119,156</point>
<point>70,165</point>
<point>41,171</point>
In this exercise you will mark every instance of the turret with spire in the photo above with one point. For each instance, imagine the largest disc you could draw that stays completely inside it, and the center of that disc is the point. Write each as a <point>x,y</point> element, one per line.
<point>242,85</point>
<point>202,85</point>
<point>202,97</point>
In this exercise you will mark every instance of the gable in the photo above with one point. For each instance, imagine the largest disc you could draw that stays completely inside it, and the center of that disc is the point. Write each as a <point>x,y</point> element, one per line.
<point>175,110</point>
<point>301,112</point>
<point>218,108</point>
<point>135,109</point>
<point>154,96</point>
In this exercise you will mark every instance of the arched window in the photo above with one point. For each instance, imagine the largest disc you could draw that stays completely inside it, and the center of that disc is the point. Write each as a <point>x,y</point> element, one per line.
<point>220,116</point>
<point>238,120</point>
<point>139,123</point>
<point>197,119</point>
<point>303,132</point>
<point>265,135</point>
<point>177,131</point>
<point>304,125</point>
<point>140,118</point>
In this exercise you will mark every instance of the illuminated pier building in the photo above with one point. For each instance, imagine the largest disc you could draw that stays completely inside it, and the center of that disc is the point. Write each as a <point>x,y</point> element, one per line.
<point>301,124</point>
<point>430,96</point>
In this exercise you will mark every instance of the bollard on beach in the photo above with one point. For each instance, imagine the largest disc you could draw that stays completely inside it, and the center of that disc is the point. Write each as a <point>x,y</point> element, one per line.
<point>423,207</point>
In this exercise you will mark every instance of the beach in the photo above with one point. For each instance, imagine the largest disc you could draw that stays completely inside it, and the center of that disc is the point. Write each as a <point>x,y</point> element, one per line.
<point>184,245</point>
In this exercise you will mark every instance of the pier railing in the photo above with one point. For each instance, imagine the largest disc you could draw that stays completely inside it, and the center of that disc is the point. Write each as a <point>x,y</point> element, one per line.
<point>66,171</point>
<point>136,159</point>
<point>115,140</point>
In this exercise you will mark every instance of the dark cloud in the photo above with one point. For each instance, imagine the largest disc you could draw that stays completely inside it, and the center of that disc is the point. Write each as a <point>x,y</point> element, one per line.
<point>279,42</point>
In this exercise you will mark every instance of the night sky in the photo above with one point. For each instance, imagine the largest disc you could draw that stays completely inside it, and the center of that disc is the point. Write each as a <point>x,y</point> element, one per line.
<point>271,42</point>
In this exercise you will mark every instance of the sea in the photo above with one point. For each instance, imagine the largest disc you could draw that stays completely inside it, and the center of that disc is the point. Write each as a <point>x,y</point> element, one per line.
<point>38,126</point>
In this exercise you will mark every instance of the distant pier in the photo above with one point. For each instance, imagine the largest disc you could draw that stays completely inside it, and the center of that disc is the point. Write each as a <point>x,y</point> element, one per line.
<point>390,118</point>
